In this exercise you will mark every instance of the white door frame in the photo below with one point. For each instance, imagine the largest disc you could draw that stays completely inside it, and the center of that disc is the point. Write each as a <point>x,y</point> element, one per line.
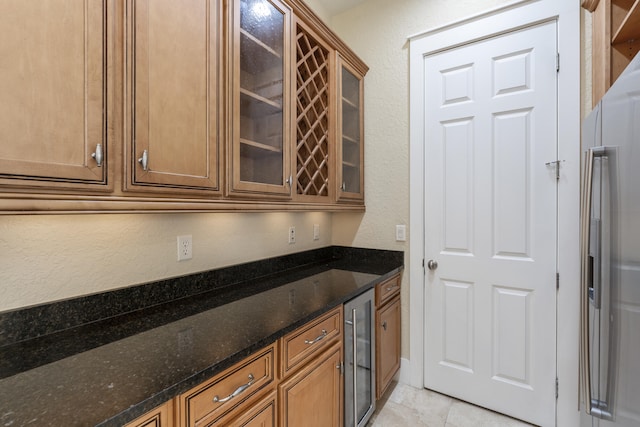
<point>513,15</point>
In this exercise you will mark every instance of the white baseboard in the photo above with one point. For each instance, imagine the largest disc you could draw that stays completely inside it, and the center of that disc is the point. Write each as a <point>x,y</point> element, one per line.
<point>406,377</point>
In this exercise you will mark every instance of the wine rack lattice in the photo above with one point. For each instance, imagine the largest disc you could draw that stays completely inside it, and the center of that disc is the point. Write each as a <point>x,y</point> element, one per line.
<point>312,122</point>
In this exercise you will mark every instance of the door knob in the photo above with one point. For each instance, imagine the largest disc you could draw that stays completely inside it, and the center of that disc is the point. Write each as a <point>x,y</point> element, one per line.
<point>432,264</point>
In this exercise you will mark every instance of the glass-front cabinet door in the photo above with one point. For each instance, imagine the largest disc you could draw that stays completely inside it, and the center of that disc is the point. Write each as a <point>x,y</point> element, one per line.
<point>260,74</point>
<point>350,150</point>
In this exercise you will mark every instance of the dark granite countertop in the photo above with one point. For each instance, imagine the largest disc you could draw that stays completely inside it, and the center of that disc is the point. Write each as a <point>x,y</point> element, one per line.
<point>108,369</point>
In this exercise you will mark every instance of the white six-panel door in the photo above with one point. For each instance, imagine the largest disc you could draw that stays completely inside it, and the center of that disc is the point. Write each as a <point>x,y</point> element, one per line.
<point>490,222</point>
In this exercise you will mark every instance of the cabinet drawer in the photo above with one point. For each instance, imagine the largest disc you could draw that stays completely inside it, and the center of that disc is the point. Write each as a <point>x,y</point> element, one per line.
<point>310,339</point>
<point>387,290</point>
<point>259,412</point>
<point>217,396</point>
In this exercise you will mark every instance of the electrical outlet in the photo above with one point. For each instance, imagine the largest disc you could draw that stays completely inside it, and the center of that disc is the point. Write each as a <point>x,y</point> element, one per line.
<point>316,231</point>
<point>185,247</point>
<point>292,235</point>
<point>401,233</point>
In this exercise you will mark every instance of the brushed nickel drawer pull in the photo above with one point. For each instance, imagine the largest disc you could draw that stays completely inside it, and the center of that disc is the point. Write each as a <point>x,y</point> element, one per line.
<point>318,338</point>
<point>390,288</point>
<point>238,391</point>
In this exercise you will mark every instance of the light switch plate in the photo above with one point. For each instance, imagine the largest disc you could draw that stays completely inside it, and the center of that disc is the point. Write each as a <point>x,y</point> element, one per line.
<point>316,231</point>
<point>401,233</point>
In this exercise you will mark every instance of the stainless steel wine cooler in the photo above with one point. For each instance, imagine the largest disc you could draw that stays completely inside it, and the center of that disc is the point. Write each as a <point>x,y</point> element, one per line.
<point>359,361</point>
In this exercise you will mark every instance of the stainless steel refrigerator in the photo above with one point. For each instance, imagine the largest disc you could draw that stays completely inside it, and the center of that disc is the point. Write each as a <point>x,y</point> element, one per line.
<point>610,250</point>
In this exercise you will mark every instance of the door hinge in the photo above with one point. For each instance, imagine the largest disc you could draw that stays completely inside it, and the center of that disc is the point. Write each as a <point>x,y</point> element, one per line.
<point>557,281</point>
<point>557,388</point>
<point>558,62</point>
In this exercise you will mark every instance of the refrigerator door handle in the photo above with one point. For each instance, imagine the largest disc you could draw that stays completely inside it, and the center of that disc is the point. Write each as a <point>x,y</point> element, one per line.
<point>594,279</point>
<point>585,271</point>
<point>591,281</point>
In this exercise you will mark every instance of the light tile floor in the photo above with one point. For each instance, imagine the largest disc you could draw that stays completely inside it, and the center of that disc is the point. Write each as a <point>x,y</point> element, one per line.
<point>404,405</point>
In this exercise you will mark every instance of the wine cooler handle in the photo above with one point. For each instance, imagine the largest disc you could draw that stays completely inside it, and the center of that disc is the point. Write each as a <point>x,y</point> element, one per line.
<point>354,335</point>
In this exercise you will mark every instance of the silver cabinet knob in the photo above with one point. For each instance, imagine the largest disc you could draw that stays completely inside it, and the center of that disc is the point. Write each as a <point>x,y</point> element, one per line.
<point>144,160</point>
<point>432,264</point>
<point>98,155</point>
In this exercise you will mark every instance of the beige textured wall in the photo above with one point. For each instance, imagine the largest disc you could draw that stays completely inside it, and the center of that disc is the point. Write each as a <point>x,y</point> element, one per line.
<point>51,257</point>
<point>377,31</point>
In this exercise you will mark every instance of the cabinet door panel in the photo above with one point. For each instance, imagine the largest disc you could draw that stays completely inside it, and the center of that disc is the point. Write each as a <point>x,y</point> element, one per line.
<point>174,93</point>
<point>53,89</point>
<point>350,136</point>
<point>388,345</point>
<point>260,100</point>
<point>313,396</point>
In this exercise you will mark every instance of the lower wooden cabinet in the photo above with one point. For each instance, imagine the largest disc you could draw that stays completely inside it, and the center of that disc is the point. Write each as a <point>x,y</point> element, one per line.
<point>314,395</point>
<point>307,390</point>
<point>387,345</point>
<point>297,381</point>
<point>388,320</point>
<point>162,416</point>
<point>311,381</point>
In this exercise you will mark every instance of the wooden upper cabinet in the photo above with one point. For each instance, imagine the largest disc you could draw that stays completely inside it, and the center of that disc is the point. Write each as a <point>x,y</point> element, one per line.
<point>53,85</point>
<point>616,40</point>
<point>260,90</point>
<point>174,114</point>
<point>164,105</point>
<point>350,151</point>
<point>315,117</point>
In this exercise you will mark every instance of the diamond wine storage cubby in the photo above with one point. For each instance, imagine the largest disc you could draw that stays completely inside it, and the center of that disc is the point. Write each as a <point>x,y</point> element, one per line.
<point>260,91</point>
<point>313,156</point>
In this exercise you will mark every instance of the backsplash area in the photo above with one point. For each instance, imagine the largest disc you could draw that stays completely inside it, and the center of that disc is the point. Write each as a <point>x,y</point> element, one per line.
<point>40,320</point>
